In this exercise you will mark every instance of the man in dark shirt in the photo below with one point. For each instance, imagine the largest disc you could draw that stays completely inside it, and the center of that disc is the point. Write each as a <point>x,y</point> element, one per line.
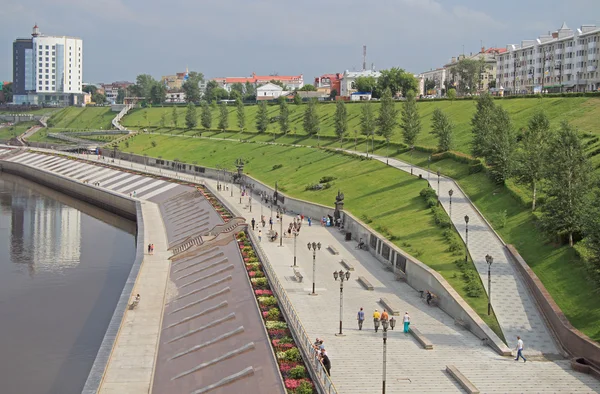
<point>326,362</point>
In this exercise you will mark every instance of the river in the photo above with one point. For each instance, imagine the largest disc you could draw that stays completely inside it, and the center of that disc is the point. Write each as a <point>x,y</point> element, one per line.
<point>63,265</point>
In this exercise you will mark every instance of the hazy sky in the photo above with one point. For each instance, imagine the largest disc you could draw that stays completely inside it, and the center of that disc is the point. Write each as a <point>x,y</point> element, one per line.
<point>124,38</point>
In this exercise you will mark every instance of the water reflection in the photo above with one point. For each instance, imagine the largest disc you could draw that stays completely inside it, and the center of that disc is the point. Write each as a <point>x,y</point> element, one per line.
<point>63,264</point>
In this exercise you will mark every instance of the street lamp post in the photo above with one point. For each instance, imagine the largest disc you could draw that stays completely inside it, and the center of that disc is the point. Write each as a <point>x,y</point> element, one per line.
<point>280,211</point>
<point>384,324</point>
<point>438,193</point>
<point>466,238</point>
<point>314,247</point>
<point>295,237</point>
<point>489,259</point>
<point>411,164</point>
<point>428,166</point>
<point>343,276</point>
<point>232,184</point>
<point>450,193</point>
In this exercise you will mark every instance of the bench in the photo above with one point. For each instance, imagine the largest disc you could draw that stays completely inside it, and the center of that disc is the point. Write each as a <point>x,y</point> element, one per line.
<point>389,307</point>
<point>462,380</point>
<point>332,249</point>
<point>347,265</point>
<point>426,343</point>
<point>298,275</point>
<point>366,284</point>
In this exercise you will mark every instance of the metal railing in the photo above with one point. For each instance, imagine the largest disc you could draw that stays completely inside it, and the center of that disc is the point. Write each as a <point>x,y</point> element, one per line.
<point>320,377</point>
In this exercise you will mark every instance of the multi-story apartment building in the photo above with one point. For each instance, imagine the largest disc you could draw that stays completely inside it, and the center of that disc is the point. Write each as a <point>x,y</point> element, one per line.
<point>47,70</point>
<point>564,60</point>
<point>290,82</point>
<point>438,76</point>
<point>488,71</point>
<point>349,77</point>
<point>111,90</point>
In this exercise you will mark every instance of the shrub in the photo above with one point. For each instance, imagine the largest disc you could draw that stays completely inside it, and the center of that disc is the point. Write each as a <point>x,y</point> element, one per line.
<point>277,166</point>
<point>279,325</point>
<point>259,282</point>
<point>326,179</point>
<point>293,355</point>
<point>267,300</point>
<point>305,387</point>
<point>427,193</point>
<point>298,372</point>
<point>441,218</point>
<point>273,314</point>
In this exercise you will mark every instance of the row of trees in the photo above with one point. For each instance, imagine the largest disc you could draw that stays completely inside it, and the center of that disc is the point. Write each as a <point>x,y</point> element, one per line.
<point>396,80</point>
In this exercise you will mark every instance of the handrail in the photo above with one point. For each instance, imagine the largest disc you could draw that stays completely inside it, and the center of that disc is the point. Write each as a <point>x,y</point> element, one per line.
<point>320,376</point>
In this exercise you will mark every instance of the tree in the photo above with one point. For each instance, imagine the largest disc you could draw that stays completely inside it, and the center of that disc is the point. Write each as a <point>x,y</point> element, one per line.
<point>120,96</point>
<point>220,94</point>
<point>208,94</point>
<point>568,173</point>
<point>175,117</point>
<point>482,123</point>
<point>451,94</point>
<point>284,116</point>
<point>163,120</point>
<point>234,95</point>
<point>91,89</point>
<point>311,119</point>
<point>592,233</point>
<point>143,85</point>
<point>223,117</point>
<point>297,99</point>
<point>190,116</point>
<point>501,144</point>
<point>333,94</point>
<point>532,154</point>
<point>366,84</point>
<point>191,87</point>
<point>341,120</point>
<point>158,94</point>
<point>442,127</point>
<point>238,87</point>
<point>367,119</point>
<point>262,117</point>
<point>206,115</point>
<point>241,114</point>
<point>397,81</point>
<point>469,74</point>
<point>410,123</point>
<point>249,91</point>
<point>429,85</point>
<point>308,88</point>
<point>278,83</point>
<point>98,98</point>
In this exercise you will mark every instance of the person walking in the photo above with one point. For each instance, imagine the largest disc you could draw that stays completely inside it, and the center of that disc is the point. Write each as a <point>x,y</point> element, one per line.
<point>149,248</point>
<point>259,235</point>
<point>361,318</point>
<point>326,362</point>
<point>384,316</point>
<point>271,223</point>
<point>406,321</point>
<point>253,223</point>
<point>520,350</point>
<point>152,248</point>
<point>376,316</point>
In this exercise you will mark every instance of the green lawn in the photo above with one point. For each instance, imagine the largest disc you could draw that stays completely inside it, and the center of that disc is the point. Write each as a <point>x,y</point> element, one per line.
<point>580,111</point>
<point>7,133</point>
<point>558,267</point>
<point>375,192</point>
<point>77,118</point>
<point>41,111</point>
<point>42,136</point>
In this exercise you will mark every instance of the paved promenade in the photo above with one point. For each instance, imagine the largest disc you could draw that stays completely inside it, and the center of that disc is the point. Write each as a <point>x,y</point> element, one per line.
<point>357,357</point>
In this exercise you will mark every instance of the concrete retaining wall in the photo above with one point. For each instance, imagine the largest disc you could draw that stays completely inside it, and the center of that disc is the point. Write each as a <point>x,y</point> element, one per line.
<point>573,341</point>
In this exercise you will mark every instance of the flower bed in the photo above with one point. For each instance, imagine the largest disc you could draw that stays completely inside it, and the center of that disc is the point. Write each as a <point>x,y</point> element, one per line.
<point>289,358</point>
<point>225,214</point>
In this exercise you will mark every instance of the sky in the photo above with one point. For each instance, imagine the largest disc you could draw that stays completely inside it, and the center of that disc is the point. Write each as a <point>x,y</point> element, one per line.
<point>124,38</point>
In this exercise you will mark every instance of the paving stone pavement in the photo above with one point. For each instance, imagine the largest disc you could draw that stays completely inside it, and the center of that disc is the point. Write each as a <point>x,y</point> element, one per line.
<point>357,356</point>
<point>515,307</point>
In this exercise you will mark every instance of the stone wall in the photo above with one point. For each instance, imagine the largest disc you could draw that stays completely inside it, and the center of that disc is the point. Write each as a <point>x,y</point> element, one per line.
<point>573,341</point>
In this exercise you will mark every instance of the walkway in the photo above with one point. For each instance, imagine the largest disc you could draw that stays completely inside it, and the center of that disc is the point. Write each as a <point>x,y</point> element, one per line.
<point>357,356</point>
<point>515,308</point>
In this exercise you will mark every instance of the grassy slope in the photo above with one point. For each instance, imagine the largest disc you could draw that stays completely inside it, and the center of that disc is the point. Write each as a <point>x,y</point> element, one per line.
<point>41,111</point>
<point>389,198</point>
<point>78,118</point>
<point>7,133</point>
<point>582,112</point>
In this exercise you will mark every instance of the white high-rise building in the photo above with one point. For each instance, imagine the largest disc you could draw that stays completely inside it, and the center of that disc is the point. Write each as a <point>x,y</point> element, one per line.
<point>48,70</point>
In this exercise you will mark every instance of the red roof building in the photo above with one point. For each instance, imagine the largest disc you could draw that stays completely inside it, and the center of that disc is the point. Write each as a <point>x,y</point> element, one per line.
<point>291,82</point>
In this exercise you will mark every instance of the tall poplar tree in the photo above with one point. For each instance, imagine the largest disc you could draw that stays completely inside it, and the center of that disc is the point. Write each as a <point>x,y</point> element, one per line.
<point>240,110</point>
<point>206,116</point>
<point>284,116</point>
<point>410,123</point>
<point>262,117</point>
<point>190,116</point>
<point>311,119</point>
<point>223,117</point>
<point>482,123</point>
<point>341,120</point>
<point>442,128</point>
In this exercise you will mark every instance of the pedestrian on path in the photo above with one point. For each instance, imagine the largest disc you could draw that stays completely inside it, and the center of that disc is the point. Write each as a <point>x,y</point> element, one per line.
<point>259,235</point>
<point>149,248</point>
<point>361,318</point>
<point>253,223</point>
<point>309,222</point>
<point>326,362</point>
<point>520,350</point>
<point>376,316</point>
<point>271,222</point>
<point>385,316</point>
<point>406,321</point>
<point>152,248</point>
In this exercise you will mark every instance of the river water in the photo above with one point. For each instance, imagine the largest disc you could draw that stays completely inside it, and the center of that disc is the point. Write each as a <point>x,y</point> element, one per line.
<point>63,265</point>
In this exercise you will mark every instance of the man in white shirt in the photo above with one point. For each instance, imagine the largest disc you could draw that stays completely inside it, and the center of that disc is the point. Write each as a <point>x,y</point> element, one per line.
<point>520,350</point>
